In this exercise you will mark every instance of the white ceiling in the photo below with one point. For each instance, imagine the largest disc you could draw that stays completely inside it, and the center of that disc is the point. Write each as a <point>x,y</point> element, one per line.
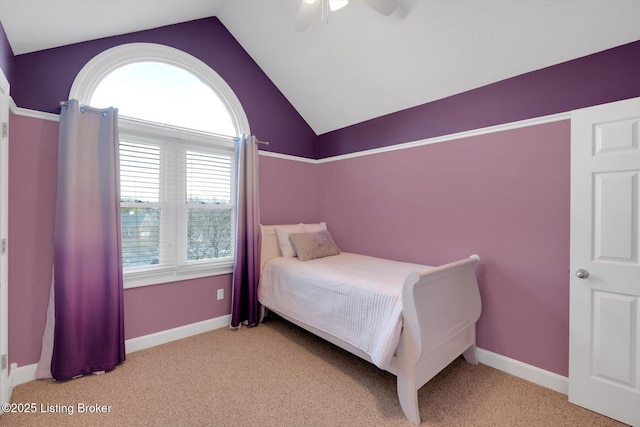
<point>361,64</point>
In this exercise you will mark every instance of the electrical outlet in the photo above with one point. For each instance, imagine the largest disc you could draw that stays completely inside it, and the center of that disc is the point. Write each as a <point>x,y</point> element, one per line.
<point>220,294</point>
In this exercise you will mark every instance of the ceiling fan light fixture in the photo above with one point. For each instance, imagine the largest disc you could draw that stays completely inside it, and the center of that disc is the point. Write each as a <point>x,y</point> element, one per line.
<point>337,4</point>
<point>309,7</point>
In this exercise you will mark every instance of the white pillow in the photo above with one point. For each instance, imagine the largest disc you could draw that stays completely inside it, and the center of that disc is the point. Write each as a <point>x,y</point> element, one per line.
<point>283,231</point>
<point>314,228</point>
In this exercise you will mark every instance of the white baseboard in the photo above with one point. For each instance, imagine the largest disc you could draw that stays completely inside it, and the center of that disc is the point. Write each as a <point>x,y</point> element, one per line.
<point>527,372</point>
<point>21,375</point>
<point>24,374</point>
<point>163,337</point>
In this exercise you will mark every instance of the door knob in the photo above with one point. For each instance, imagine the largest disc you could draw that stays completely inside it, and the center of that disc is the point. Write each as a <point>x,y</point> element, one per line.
<point>582,274</point>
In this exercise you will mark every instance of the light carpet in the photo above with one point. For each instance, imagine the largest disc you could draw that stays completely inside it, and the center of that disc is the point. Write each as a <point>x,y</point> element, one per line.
<point>279,375</point>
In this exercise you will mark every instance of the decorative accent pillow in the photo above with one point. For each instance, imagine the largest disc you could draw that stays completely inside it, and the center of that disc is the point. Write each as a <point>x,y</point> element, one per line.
<point>312,228</point>
<point>283,231</point>
<point>313,245</point>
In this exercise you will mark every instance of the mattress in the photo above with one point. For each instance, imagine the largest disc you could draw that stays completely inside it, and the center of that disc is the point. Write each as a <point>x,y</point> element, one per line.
<point>354,297</point>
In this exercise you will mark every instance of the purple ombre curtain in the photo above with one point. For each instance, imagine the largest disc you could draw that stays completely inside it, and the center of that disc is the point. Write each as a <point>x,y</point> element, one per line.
<point>245,307</point>
<point>88,309</point>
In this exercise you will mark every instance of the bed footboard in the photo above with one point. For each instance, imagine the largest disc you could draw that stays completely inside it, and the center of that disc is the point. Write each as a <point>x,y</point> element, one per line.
<point>441,307</point>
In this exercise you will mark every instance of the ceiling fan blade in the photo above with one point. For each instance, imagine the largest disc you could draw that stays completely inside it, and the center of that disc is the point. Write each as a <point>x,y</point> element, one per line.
<point>305,14</point>
<point>385,7</point>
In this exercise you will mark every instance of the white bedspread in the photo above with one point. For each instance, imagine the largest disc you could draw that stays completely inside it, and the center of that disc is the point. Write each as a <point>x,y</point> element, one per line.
<point>353,297</point>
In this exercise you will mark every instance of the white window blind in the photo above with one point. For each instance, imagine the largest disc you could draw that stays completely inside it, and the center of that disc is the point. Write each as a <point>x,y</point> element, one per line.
<point>208,203</point>
<point>208,178</point>
<point>139,172</point>
<point>140,209</point>
<point>177,203</point>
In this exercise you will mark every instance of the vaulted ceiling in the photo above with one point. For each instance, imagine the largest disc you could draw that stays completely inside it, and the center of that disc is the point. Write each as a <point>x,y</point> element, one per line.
<point>361,64</point>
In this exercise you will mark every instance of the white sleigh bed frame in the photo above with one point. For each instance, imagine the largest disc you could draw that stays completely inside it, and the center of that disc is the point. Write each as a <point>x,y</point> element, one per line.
<point>440,309</point>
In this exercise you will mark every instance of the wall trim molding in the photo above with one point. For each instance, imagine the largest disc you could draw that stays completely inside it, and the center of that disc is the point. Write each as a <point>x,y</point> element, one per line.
<point>24,374</point>
<point>522,370</point>
<point>454,136</point>
<point>287,157</point>
<point>435,140</point>
<point>403,146</point>
<point>35,114</point>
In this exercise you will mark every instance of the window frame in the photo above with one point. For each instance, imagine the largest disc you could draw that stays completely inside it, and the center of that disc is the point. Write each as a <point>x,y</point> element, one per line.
<point>176,266</point>
<point>132,129</point>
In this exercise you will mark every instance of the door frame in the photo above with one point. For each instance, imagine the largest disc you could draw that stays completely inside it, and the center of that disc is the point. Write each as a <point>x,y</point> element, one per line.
<point>4,238</point>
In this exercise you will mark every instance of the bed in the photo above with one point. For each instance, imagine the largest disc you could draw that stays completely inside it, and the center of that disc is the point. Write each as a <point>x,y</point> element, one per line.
<point>409,319</point>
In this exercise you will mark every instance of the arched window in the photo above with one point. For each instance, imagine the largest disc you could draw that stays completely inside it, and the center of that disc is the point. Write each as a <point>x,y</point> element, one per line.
<point>177,122</point>
<point>163,93</point>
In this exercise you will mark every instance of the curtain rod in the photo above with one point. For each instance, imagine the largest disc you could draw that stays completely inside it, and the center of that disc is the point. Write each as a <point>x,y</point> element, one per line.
<point>104,113</point>
<point>83,108</point>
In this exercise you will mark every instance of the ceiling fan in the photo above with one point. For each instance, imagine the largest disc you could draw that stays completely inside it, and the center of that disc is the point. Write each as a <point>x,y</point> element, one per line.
<point>309,7</point>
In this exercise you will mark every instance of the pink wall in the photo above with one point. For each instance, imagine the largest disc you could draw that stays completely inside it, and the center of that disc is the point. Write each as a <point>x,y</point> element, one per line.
<point>293,196</point>
<point>290,191</point>
<point>504,196</point>
<point>157,308</point>
<point>32,187</point>
<point>33,156</point>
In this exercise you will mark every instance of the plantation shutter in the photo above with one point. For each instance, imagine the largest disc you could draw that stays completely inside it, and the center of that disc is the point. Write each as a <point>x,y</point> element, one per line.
<point>208,204</point>
<point>141,207</point>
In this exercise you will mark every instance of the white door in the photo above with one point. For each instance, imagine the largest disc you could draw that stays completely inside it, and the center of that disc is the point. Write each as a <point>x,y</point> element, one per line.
<point>604,348</point>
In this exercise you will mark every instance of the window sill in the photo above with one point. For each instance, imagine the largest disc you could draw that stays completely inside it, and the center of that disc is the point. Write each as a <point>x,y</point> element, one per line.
<point>156,277</point>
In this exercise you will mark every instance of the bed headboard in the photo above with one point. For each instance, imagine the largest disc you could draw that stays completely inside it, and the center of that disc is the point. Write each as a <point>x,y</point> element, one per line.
<point>269,246</point>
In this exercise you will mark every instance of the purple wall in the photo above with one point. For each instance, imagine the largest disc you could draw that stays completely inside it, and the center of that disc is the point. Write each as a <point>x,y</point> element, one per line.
<point>6,56</point>
<point>604,77</point>
<point>504,196</point>
<point>44,78</point>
